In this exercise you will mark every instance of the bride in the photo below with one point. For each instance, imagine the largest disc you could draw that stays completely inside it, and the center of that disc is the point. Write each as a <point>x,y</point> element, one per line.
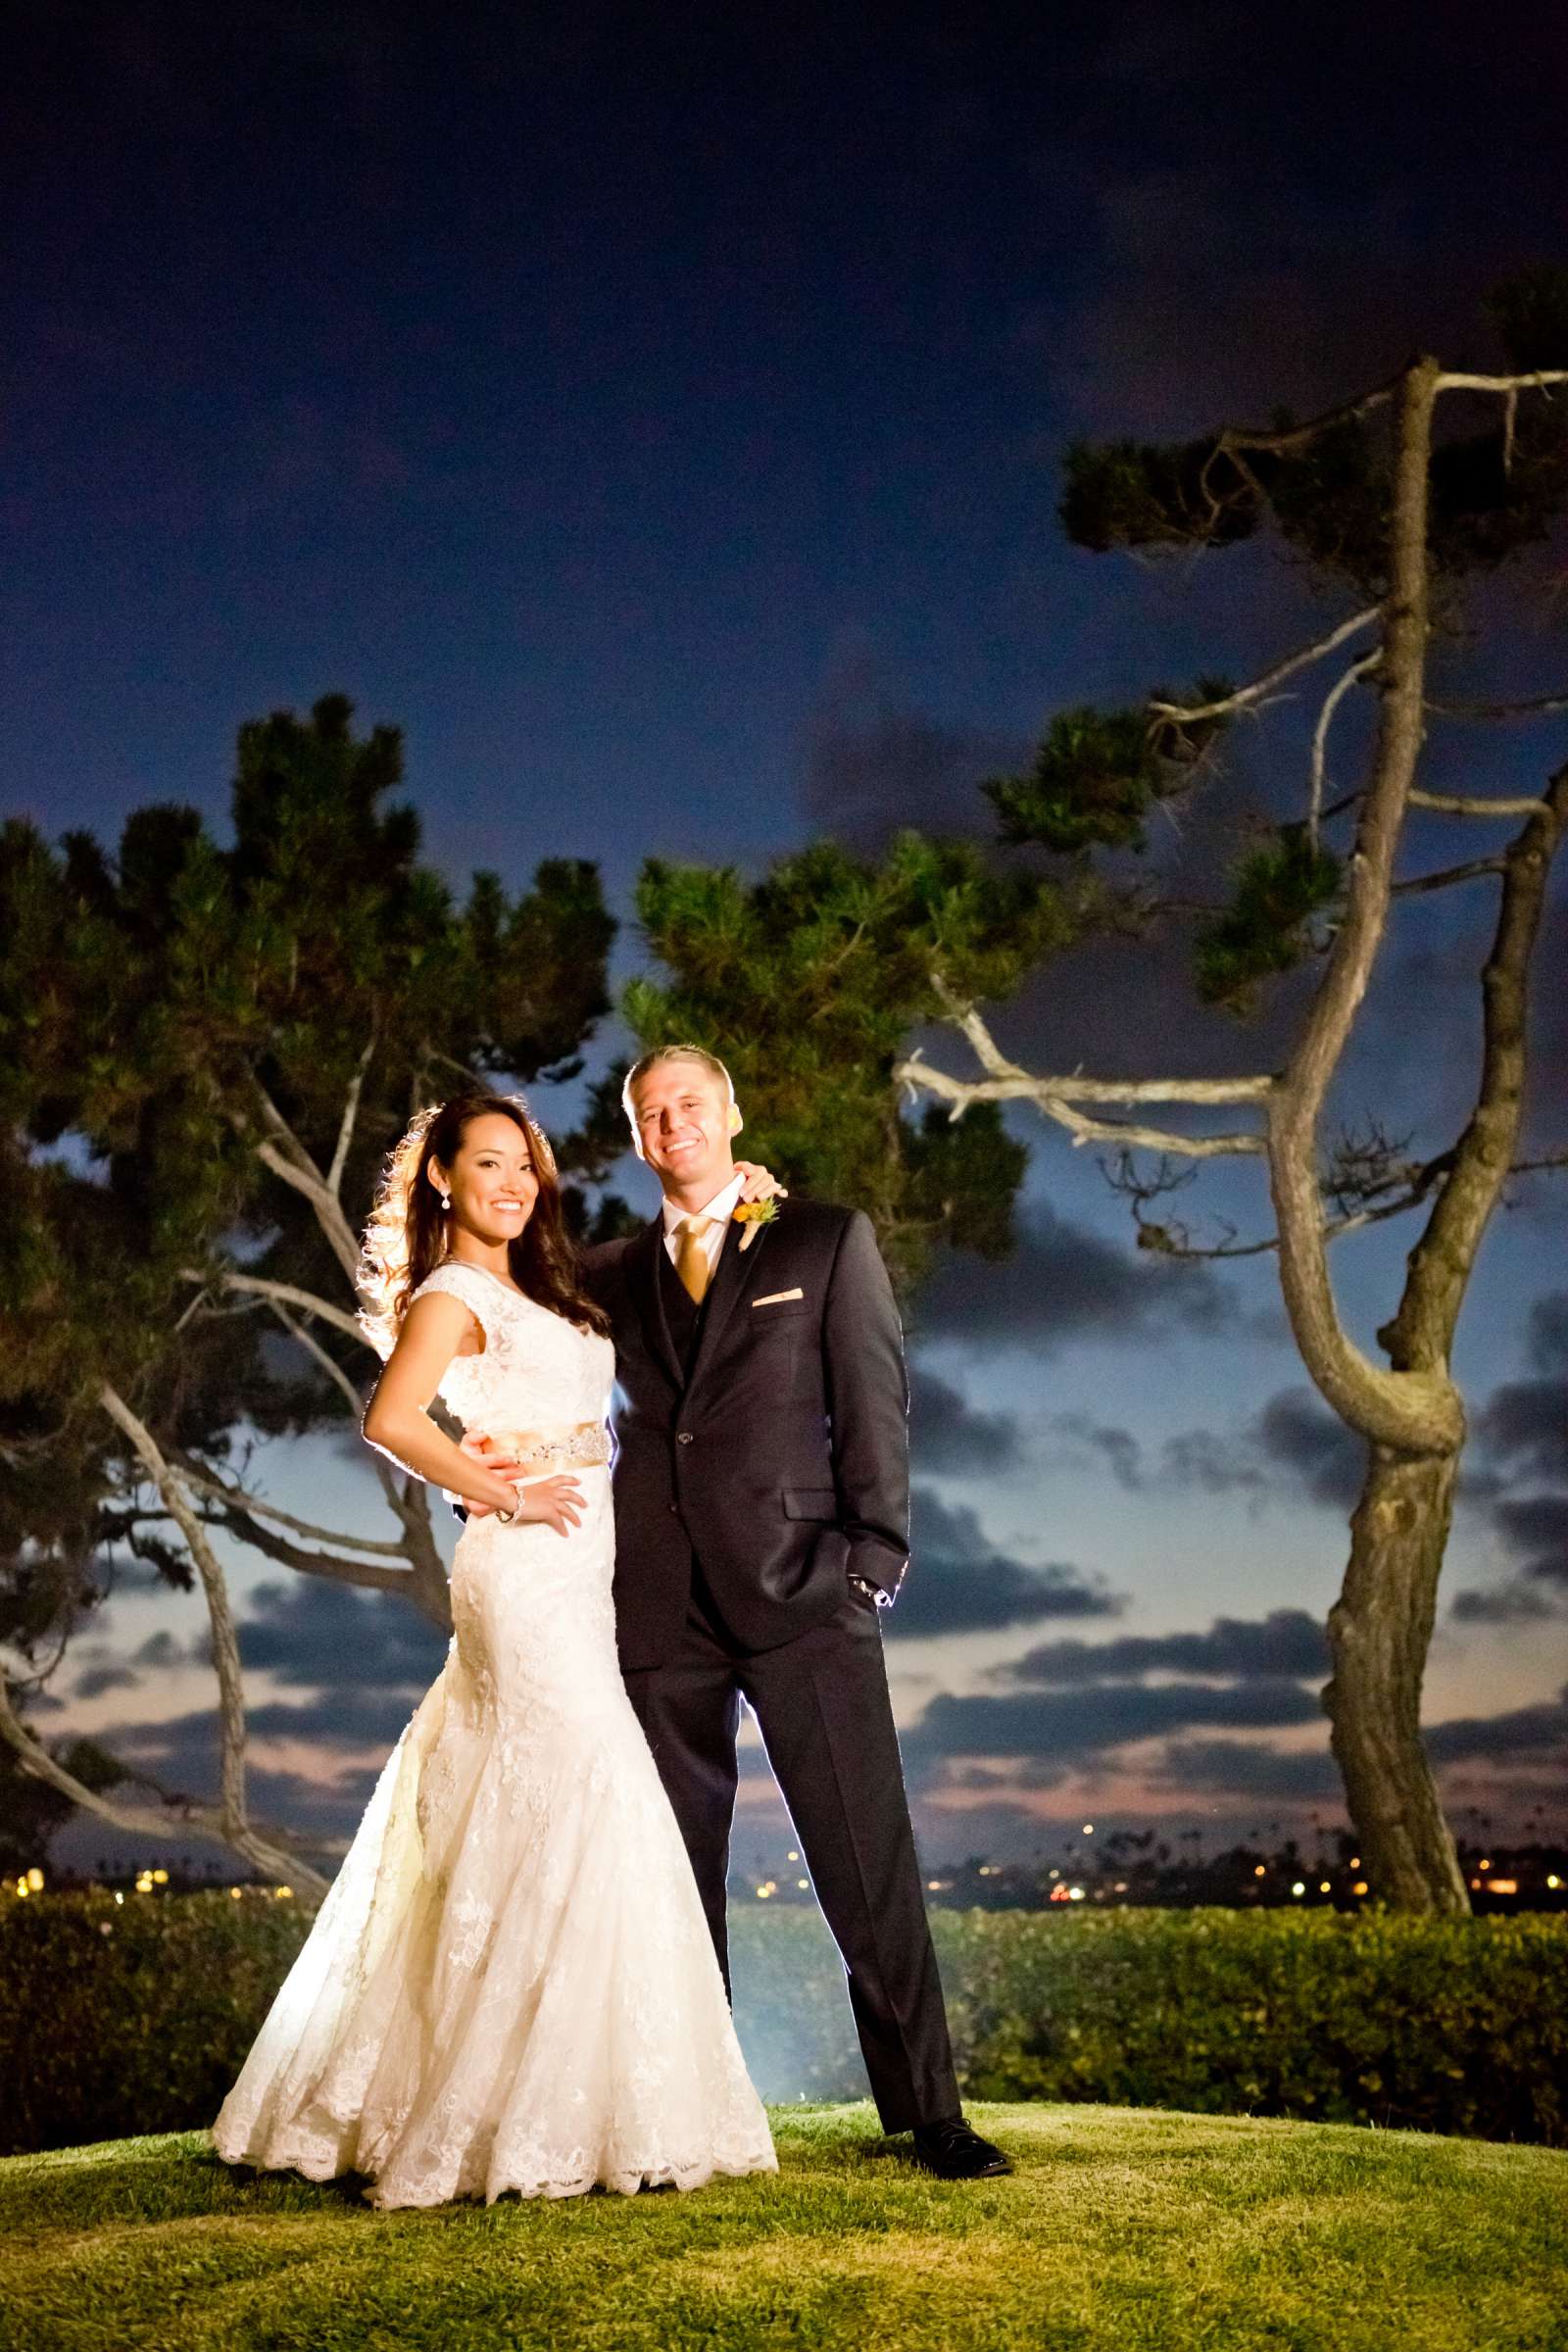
<point>511,1985</point>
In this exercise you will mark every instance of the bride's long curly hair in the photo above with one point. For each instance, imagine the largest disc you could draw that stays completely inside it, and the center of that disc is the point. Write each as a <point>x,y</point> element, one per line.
<point>405,1237</point>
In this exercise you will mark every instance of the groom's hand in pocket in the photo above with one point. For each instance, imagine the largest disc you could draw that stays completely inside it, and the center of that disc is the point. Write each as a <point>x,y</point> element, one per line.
<point>482,1449</point>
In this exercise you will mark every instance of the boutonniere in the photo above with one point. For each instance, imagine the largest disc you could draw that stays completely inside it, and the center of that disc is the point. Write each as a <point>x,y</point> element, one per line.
<point>752,1216</point>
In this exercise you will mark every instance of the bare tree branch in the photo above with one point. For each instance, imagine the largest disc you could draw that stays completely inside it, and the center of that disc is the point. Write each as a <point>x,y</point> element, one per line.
<point>1245,695</point>
<point>1452,804</point>
<point>290,1162</point>
<point>1422,1331</point>
<point>1537,381</point>
<point>1444,880</point>
<point>243,1504</point>
<point>178,1816</point>
<point>1281,443</point>
<point>1320,735</point>
<point>328,1210</point>
<point>319,1357</point>
<point>1055,1098</point>
<point>369,1575</point>
<point>1411,1412</point>
<point>225,1644</point>
<point>351,1113</point>
<point>1356,1221</point>
<point>229,1823</point>
<point>255,1286</point>
<point>1540,705</point>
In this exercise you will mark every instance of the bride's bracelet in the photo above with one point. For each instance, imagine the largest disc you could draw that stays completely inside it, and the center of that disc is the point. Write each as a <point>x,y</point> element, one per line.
<point>505,1518</point>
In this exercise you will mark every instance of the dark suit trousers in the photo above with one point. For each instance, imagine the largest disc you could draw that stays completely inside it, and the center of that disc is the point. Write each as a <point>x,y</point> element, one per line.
<point>821,1704</point>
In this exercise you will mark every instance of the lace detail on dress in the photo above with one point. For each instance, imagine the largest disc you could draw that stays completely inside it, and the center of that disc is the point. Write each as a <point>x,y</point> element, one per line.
<point>511,1984</point>
<point>537,1371</point>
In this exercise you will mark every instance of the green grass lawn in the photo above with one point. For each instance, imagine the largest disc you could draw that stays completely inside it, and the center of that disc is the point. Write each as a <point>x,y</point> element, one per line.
<point>1121,2227</point>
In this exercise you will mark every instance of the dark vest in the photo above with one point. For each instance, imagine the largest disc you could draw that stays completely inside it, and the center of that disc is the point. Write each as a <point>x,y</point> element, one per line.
<point>681,1313</point>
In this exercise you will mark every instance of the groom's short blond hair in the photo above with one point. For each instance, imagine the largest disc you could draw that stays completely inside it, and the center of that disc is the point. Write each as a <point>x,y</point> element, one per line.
<point>661,1054</point>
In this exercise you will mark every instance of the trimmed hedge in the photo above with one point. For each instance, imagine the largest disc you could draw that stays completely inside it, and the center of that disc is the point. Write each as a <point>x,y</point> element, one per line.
<point>1438,2024</point>
<point>118,2020</point>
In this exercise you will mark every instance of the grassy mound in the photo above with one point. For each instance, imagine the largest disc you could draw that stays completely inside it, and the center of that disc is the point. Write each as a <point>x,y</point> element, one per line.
<point>1121,2228</point>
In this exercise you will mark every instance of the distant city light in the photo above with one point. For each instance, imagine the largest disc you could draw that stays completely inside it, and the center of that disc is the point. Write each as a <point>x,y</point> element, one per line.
<point>1359,1887</point>
<point>1299,1888</point>
<point>1259,1869</point>
<point>1089,1829</point>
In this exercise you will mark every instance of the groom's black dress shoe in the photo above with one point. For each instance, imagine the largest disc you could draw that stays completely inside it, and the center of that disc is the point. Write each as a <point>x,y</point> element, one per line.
<point>954,2152</point>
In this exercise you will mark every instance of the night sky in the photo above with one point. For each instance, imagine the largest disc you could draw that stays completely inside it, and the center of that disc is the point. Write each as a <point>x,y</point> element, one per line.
<point>656,413</point>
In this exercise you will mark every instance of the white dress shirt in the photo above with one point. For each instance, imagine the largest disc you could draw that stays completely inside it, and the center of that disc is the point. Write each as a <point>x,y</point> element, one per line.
<point>719,1209</point>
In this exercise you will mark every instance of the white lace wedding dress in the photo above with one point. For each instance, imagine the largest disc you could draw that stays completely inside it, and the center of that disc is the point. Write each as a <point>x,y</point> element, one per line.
<point>511,1984</point>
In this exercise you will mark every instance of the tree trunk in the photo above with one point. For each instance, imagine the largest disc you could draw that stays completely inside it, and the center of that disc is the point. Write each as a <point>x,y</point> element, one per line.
<point>1379,1630</point>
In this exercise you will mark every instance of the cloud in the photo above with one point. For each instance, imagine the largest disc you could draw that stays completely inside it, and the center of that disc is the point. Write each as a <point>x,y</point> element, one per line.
<point>158,1649</point>
<point>1204,1460</point>
<point>1299,1433</point>
<point>1294,1433</point>
<point>959,1583</point>
<point>874,764</point>
<point>1287,1643</point>
<point>183,1749</point>
<point>1065,1725</point>
<point>1064,1282</point>
<point>1538,1526</point>
<point>1245,1768</point>
<point>1549,1333</point>
<point>1526,1423</point>
<point>1514,1604</point>
<point>312,1632</point>
<point>947,1434</point>
<point>1116,1448</point>
<point>1540,1731</point>
<point>1213,1464</point>
<point>1524,1428</point>
<point>95,1679</point>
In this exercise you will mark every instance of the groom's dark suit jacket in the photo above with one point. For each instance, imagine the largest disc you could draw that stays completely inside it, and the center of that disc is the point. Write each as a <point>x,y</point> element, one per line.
<point>775,1456</point>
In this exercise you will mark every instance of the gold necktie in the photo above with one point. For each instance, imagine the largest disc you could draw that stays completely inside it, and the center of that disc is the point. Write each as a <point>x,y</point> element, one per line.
<point>691,1257</point>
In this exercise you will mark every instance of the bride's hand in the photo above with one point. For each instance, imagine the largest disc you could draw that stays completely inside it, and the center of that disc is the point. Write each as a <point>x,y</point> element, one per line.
<point>552,1502</point>
<point>487,1453</point>
<point>759,1183</point>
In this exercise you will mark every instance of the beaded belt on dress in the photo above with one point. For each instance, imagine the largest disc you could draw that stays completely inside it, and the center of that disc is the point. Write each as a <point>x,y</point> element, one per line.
<point>576,1447</point>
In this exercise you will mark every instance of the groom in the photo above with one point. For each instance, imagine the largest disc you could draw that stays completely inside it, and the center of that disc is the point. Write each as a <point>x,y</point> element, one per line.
<point>762,1518</point>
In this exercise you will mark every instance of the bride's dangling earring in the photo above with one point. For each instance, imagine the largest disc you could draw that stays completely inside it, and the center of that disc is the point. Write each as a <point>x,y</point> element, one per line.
<point>446,1202</point>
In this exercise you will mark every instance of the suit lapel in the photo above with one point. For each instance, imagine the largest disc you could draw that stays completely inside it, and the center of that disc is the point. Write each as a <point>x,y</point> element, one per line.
<point>732,1278</point>
<point>641,1272</point>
